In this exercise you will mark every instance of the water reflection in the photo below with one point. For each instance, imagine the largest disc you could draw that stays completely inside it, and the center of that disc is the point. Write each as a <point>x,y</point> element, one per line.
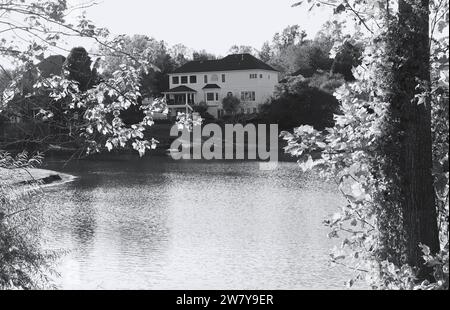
<point>161,224</point>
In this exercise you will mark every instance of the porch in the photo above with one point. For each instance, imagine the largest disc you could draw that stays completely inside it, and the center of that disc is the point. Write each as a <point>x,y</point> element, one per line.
<point>180,96</point>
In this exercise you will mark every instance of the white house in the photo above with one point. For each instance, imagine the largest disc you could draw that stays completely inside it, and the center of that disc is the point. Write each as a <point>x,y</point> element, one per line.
<point>240,75</point>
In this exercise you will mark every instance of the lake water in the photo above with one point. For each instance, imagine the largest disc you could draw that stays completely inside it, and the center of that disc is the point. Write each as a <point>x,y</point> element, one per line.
<point>161,224</point>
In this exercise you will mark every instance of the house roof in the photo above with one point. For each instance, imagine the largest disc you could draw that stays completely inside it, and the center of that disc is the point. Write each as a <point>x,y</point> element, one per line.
<point>212,86</point>
<point>230,63</point>
<point>181,89</point>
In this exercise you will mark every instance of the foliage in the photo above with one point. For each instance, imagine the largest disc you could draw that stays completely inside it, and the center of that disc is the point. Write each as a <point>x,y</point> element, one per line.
<point>293,54</point>
<point>326,81</point>
<point>348,56</point>
<point>180,54</point>
<point>203,55</point>
<point>231,104</point>
<point>154,80</point>
<point>357,153</point>
<point>202,109</point>
<point>308,106</point>
<point>77,68</point>
<point>299,100</point>
<point>42,24</point>
<point>243,49</point>
<point>23,264</point>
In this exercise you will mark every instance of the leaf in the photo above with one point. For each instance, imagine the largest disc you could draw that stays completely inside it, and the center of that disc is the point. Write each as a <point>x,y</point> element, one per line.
<point>358,191</point>
<point>109,146</point>
<point>339,9</point>
<point>350,283</point>
<point>297,4</point>
<point>425,249</point>
<point>308,165</point>
<point>322,145</point>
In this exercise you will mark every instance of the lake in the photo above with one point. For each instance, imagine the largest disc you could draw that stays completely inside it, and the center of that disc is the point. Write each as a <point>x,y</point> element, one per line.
<point>157,223</point>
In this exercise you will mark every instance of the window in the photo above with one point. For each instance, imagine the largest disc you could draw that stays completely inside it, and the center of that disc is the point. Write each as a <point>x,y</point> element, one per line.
<point>269,76</point>
<point>206,79</point>
<point>184,80</point>
<point>214,78</point>
<point>230,94</point>
<point>217,96</point>
<point>175,80</point>
<point>248,96</point>
<point>253,76</point>
<point>209,96</point>
<point>223,78</point>
<point>260,76</point>
<point>193,79</point>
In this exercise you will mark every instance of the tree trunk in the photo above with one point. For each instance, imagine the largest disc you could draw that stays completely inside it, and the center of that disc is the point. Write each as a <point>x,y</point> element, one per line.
<point>414,120</point>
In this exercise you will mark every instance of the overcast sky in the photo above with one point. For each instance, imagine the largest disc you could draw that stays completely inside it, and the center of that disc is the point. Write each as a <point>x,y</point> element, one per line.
<point>213,25</point>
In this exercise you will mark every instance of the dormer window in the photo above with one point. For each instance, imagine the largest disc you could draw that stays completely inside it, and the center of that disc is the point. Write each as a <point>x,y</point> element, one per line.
<point>175,80</point>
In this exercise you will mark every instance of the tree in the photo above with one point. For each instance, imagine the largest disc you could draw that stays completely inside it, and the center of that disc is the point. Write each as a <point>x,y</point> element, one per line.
<point>291,52</point>
<point>308,106</point>
<point>411,112</point>
<point>180,54</point>
<point>77,67</point>
<point>41,25</point>
<point>203,55</point>
<point>243,49</point>
<point>381,150</point>
<point>31,29</point>
<point>291,35</point>
<point>231,104</point>
<point>266,53</point>
<point>348,57</point>
<point>313,56</point>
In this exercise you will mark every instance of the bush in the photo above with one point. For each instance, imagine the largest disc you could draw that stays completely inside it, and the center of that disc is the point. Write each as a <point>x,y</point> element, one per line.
<point>309,106</point>
<point>231,104</point>
<point>202,109</point>
<point>23,264</point>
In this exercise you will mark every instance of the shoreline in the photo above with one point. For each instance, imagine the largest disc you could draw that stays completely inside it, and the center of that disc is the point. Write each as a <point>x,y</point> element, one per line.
<point>30,176</point>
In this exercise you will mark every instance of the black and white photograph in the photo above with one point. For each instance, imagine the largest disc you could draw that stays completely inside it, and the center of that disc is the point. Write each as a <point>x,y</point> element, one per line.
<point>259,146</point>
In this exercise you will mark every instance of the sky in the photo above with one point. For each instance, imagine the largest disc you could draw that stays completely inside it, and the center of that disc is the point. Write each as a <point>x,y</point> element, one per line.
<point>212,25</point>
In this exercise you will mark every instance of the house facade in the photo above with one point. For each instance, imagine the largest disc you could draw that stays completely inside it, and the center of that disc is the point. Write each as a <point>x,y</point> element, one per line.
<point>209,82</point>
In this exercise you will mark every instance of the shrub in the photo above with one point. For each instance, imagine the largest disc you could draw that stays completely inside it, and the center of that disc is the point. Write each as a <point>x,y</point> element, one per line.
<point>23,264</point>
<point>310,106</point>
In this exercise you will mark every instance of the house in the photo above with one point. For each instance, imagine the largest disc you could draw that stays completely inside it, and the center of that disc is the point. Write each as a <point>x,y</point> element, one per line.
<point>210,81</point>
